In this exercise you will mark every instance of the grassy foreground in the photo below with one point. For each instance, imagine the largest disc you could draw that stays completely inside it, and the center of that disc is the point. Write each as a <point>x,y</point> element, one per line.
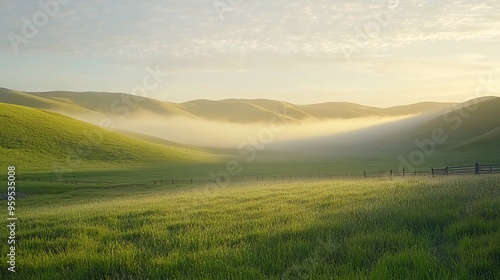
<point>411,228</point>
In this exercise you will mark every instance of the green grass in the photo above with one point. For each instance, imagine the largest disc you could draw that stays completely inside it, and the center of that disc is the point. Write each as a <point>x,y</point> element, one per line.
<point>413,228</point>
<point>40,140</point>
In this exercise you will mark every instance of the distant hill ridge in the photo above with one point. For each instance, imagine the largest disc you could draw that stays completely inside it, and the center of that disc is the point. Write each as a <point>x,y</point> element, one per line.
<point>230,110</point>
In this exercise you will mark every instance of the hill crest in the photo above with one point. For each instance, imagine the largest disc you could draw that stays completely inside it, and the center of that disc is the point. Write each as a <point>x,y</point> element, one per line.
<point>121,105</point>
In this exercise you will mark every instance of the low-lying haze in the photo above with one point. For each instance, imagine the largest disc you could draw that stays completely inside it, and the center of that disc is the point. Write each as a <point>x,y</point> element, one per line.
<point>209,133</point>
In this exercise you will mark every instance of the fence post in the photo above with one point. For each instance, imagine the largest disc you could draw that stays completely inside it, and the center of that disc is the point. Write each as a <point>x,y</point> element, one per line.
<point>364,172</point>
<point>432,171</point>
<point>403,172</point>
<point>477,168</point>
<point>391,174</point>
<point>446,170</point>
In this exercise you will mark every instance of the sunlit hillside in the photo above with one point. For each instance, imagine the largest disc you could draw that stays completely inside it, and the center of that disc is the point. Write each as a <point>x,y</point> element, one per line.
<point>37,139</point>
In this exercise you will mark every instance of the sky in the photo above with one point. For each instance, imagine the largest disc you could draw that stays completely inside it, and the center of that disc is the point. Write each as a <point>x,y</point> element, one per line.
<point>373,52</point>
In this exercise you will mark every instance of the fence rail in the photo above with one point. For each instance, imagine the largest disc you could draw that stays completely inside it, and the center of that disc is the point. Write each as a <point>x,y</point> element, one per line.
<point>448,170</point>
<point>467,169</point>
<point>392,173</point>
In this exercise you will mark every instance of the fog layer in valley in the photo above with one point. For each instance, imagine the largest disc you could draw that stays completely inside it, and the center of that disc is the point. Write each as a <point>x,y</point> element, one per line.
<point>209,133</point>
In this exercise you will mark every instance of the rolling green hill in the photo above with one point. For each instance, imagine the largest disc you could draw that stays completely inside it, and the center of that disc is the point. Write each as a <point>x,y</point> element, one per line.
<point>37,139</point>
<point>417,108</point>
<point>243,111</point>
<point>346,110</point>
<point>475,123</point>
<point>41,102</point>
<point>262,110</point>
<point>114,103</point>
<point>472,134</point>
<point>477,132</point>
<point>230,110</point>
<point>471,131</point>
<point>91,103</point>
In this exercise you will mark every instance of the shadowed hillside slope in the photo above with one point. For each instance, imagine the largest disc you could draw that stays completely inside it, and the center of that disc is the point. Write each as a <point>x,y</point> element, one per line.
<point>470,129</point>
<point>465,125</point>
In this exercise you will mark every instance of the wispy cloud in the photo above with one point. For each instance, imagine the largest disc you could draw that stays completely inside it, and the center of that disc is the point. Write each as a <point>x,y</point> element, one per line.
<point>136,31</point>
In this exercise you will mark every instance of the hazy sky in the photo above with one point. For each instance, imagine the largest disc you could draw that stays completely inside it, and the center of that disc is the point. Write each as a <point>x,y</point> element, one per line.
<point>374,52</point>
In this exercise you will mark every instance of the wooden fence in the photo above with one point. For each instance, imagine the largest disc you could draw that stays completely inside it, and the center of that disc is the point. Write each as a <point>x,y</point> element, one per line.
<point>448,170</point>
<point>467,169</point>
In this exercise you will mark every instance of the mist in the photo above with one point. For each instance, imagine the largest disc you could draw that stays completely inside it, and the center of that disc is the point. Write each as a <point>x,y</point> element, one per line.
<point>218,134</point>
<point>389,136</point>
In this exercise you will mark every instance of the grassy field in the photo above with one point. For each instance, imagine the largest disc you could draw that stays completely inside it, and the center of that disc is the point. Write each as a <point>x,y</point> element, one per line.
<point>412,228</point>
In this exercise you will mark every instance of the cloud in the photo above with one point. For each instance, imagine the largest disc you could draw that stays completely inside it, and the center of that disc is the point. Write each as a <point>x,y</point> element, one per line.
<point>422,68</point>
<point>134,32</point>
